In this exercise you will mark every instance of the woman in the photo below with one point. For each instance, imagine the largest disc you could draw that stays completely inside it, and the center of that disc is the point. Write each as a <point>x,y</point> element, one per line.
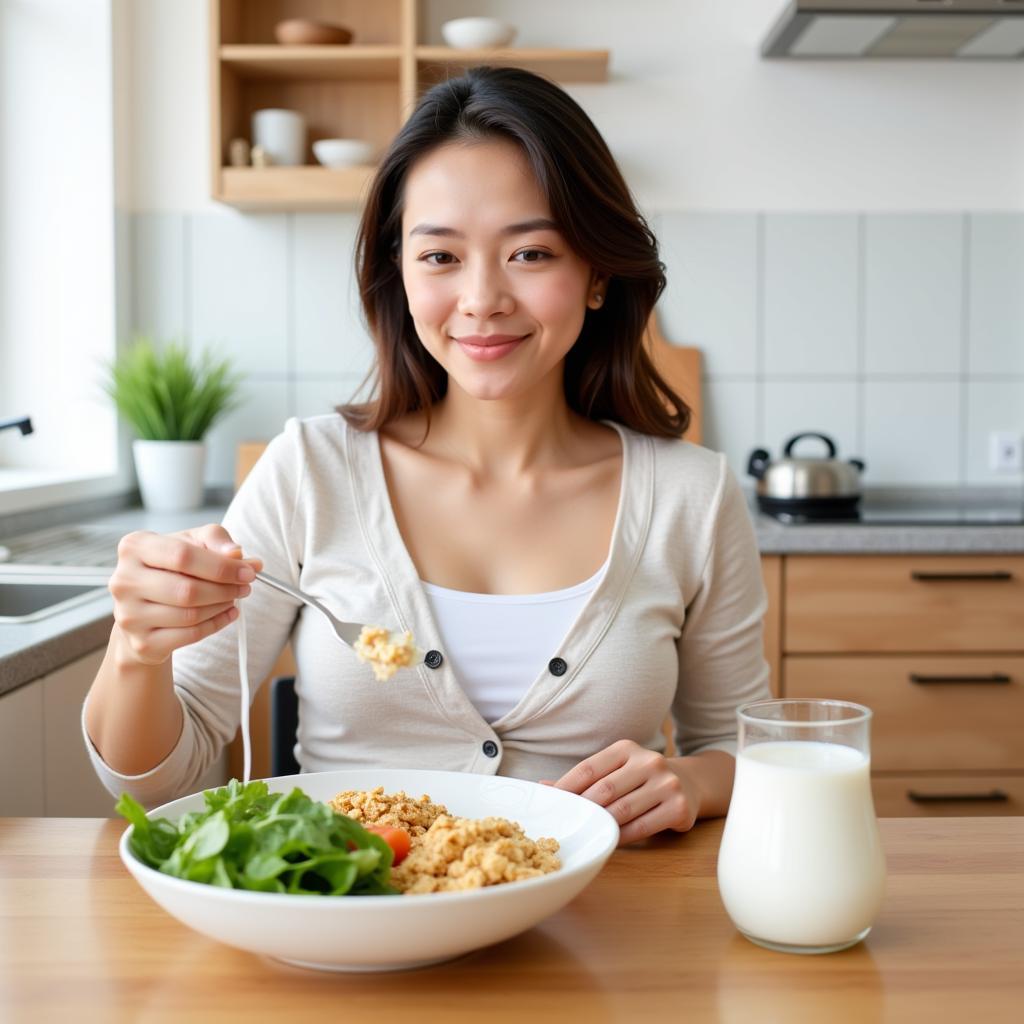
<point>515,494</point>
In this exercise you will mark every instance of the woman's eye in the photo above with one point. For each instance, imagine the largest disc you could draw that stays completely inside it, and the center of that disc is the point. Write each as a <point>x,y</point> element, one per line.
<point>445,259</point>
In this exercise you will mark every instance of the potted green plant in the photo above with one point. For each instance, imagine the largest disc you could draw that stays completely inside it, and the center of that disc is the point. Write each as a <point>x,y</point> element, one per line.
<point>170,399</point>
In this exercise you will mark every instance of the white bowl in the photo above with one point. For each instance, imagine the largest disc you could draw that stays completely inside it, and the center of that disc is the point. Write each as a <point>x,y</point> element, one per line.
<point>342,152</point>
<point>473,33</point>
<point>379,933</point>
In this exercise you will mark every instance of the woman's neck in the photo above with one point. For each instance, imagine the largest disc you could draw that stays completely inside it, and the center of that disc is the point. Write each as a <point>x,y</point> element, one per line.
<point>506,438</point>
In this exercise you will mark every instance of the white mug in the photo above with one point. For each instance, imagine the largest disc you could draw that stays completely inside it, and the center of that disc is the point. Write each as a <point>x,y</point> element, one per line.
<point>281,134</point>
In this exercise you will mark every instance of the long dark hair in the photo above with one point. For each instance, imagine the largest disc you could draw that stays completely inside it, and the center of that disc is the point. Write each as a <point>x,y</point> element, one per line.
<point>608,372</point>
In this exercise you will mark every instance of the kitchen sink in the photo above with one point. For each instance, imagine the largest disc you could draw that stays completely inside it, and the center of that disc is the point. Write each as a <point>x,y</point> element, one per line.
<point>30,597</point>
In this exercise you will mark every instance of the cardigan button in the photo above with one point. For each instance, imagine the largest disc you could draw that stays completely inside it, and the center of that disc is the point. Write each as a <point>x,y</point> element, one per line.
<point>557,667</point>
<point>433,659</point>
<point>490,748</point>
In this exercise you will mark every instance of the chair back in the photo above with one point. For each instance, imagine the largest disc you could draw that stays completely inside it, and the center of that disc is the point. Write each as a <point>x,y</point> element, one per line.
<point>284,726</point>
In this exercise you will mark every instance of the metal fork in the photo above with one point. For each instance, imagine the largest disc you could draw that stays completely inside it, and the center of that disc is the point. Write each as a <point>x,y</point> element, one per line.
<point>346,632</point>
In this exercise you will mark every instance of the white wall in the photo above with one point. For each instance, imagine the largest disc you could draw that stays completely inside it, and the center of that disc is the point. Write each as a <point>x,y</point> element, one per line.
<point>696,118</point>
<point>844,240</point>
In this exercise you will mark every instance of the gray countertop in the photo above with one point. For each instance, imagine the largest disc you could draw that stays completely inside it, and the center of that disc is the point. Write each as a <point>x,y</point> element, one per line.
<point>775,538</point>
<point>908,521</point>
<point>31,649</point>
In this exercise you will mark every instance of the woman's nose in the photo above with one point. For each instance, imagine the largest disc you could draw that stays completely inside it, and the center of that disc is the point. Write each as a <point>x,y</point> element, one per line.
<point>484,292</point>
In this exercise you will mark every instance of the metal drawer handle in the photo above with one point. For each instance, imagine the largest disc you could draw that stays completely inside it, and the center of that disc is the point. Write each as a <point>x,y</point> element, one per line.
<point>995,677</point>
<point>993,796</point>
<point>997,576</point>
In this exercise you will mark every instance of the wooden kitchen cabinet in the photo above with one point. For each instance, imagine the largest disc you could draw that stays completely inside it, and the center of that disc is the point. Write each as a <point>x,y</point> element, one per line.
<point>947,796</point>
<point>966,708</point>
<point>934,645</point>
<point>44,767</point>
<point>896,603</point>
<point>363,90</point>
<point>71,786</point>
<point>21,753</point>
<point>771,572</point>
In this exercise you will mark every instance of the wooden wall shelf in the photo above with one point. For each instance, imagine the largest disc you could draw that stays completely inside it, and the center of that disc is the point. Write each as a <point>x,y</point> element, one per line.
<point>365,90</point>
<point>341,62</point>
<point>293,188</point>
<point>561,65</point>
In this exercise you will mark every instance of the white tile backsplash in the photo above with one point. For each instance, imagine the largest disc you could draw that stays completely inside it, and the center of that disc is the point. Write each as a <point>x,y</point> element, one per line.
<point>330,337</point>
<point>996,302</point>
<point>901,336</point>
<point>827,407</point>
<point>913,294</point>
<point>992,405</point>
<point>266,404</point>
<point>320,395</point>
<point>239,288</point>
<point>711,264</point>
<point>159,310</point>
<point>912,432</point>
<point>811,294</point>
<point>730,420</point>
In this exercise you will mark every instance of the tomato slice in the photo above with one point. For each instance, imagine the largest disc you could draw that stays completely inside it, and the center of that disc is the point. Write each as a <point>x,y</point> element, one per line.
<point>397,838</point>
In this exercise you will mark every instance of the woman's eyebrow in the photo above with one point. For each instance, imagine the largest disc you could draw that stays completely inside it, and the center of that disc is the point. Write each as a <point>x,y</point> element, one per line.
<point>537,224</point>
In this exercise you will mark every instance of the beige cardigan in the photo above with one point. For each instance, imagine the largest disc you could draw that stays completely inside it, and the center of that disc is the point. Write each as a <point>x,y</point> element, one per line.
<point>674,625</point>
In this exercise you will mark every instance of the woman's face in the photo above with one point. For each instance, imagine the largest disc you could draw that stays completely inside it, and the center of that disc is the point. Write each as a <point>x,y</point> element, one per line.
<point>481,267</point>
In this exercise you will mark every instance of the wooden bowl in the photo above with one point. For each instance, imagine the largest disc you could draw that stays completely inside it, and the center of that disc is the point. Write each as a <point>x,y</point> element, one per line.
<point>306,32</point>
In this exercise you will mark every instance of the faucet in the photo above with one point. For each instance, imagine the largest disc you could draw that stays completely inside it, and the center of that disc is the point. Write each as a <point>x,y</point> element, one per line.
<point>24,424</point>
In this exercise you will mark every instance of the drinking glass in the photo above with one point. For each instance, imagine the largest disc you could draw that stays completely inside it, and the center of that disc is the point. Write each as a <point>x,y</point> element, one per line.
<point>801,867</point>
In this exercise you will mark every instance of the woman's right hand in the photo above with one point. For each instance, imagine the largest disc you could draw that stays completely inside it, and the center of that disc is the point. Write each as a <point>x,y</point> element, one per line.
<point>171,590</point>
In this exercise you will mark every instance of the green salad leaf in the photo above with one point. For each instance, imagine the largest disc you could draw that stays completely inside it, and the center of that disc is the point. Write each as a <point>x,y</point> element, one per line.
<point>250,838</point>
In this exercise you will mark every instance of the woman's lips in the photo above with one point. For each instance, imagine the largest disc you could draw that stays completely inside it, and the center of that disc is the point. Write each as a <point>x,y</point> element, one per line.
<point>490,351</point>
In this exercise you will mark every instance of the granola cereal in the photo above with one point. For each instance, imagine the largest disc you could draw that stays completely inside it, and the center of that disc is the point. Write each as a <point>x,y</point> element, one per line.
<point>396,809</point>
<point>449,853</point>
<point>470,853</point>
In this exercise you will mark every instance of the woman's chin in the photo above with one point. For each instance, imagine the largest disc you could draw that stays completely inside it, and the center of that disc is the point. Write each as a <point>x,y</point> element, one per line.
<point>492,390</point>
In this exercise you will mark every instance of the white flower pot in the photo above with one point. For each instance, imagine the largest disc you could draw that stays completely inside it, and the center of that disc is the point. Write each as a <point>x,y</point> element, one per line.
<point>170,474</point>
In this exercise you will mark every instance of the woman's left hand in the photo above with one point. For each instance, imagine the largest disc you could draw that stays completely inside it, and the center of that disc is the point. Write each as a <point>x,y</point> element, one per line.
<point>644,791</point>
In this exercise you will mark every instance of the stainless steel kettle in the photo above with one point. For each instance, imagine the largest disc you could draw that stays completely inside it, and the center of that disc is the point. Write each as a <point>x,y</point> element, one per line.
<point>821,487</point>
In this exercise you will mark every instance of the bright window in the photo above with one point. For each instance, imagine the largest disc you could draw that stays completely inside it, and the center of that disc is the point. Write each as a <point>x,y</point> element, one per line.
<point>57,294</point>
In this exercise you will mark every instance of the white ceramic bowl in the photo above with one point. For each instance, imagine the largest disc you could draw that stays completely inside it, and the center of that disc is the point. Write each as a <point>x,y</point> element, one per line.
<point>342,152</point>
<point>378,933</point>
<point>473,33</point>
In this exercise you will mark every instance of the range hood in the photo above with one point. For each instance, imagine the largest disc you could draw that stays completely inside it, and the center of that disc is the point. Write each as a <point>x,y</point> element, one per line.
<point>919,29</point>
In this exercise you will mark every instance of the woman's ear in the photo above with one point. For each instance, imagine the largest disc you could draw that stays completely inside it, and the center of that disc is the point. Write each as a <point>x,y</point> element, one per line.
<point>597,292</point>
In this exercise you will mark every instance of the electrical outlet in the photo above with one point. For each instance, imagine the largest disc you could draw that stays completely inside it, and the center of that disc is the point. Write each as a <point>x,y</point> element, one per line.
<point>1005,451</point>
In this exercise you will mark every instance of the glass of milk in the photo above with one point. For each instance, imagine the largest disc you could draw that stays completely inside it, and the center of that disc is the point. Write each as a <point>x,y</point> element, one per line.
<point>801,867</point>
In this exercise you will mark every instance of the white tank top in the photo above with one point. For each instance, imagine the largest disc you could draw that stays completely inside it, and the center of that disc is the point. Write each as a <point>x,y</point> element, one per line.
<point>497,644</point>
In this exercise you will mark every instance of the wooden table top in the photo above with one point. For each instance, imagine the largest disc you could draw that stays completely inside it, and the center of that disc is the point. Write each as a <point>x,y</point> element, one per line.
<point>648,939</point>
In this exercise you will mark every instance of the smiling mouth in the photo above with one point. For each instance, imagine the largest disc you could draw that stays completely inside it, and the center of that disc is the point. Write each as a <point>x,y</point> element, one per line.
<point>482,341</point>
<point>489,350</point>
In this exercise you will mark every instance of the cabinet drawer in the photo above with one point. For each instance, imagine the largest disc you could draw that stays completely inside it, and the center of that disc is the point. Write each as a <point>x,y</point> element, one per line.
<point>904,603</point>
<point>958,712</point>
<point>932,796</point>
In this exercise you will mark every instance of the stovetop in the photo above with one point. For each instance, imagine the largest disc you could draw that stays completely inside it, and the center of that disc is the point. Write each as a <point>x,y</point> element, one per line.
<point>1004,507</point>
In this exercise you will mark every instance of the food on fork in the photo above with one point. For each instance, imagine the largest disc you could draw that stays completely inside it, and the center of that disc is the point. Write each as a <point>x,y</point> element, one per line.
<point>386,652</point>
